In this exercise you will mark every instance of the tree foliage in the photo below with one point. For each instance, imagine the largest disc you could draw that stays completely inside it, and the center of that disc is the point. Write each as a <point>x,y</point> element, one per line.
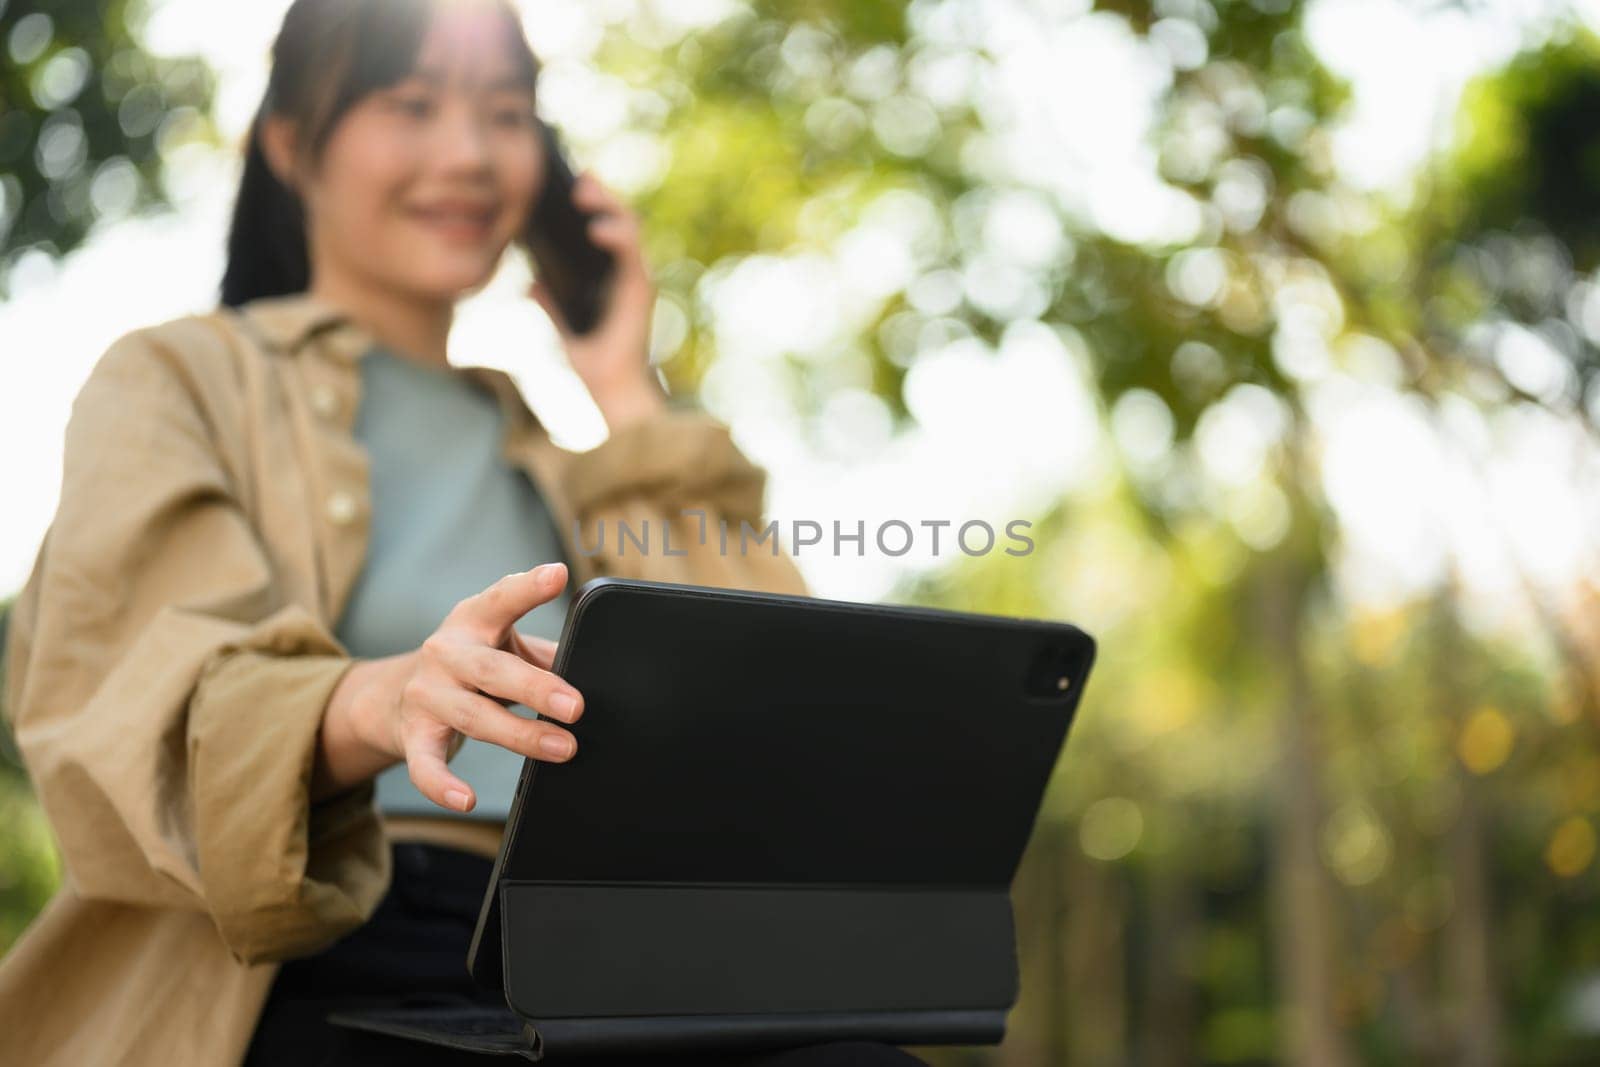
<point>86,113</point>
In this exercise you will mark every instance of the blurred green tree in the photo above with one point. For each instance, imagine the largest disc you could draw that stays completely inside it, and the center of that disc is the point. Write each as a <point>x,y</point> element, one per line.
<point>789,123</point>
<point>85,115</point>
<point>29,869</point>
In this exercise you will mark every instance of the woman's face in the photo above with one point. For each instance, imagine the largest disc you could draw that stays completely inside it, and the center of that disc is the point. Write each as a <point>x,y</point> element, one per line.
<point>422,185</point>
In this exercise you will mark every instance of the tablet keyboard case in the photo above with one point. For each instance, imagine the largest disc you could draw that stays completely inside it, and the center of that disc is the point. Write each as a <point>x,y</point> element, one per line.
<point>772,902</point>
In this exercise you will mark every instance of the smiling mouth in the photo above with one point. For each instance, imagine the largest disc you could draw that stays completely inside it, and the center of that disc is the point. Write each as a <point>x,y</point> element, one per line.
<point>456,222</point>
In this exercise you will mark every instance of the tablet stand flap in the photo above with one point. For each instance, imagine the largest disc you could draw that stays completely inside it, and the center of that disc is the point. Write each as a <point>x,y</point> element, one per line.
<point>594,950</point>
<point>469,1027</point>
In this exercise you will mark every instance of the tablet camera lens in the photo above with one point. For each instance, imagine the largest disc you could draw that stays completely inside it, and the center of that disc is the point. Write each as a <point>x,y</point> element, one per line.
<point>1050,674</point>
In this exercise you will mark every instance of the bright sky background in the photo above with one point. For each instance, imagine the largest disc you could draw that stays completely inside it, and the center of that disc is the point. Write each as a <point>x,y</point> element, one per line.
<point>998,438</point>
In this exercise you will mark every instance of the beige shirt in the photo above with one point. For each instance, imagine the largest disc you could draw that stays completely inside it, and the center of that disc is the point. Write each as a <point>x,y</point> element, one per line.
<point>172,652</point>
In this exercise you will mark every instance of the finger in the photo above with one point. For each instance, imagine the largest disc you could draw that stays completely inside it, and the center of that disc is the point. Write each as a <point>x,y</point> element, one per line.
<point>501,674</point>
<point>426,752</point>
<point>493,611</point>
<point>633,294</point>
<point>590,193</point>
<point>626,248</point>
<point>614,233</point>
<point>477,716</point>
<point>539,651</point>
<point>623,242</point>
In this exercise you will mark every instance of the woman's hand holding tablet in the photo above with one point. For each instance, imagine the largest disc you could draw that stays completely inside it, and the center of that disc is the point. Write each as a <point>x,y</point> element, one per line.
<point>417,706</point>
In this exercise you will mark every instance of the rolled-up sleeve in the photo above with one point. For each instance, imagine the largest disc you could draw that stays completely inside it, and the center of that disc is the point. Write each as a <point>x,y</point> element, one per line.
<point>167,695</point>
<point>678,484</point>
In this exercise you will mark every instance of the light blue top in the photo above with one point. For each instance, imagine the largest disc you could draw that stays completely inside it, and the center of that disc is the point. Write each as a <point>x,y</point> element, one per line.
<point>449,516</point>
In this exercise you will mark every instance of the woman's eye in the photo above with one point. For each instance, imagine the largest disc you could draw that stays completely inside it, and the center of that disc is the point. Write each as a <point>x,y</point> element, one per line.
<point>514,117</point>
<point>414,106</point>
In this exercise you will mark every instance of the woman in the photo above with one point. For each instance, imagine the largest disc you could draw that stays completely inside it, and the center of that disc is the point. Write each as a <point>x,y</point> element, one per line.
<point>271,605</point>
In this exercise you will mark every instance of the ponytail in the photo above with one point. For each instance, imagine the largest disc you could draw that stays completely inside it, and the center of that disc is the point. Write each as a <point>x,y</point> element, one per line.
<point>267,240</point>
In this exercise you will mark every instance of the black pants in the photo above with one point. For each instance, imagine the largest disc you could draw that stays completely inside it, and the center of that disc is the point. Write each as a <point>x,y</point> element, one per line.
<point>416,943</point>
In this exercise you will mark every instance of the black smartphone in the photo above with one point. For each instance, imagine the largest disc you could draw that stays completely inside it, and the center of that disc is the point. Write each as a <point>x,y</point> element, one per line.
<point>577,271</point>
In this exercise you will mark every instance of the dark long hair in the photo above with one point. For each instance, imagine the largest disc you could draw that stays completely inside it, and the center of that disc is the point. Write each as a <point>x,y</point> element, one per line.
<point>327,56</point>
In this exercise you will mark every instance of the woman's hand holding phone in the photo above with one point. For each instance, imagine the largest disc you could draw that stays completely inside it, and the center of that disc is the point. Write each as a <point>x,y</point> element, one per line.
<point>613,359</point>
<point>417,706</point>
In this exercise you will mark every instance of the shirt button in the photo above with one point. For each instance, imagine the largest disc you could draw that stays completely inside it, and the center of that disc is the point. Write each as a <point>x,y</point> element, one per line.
<point>341,507</point>
<point>324,400</point>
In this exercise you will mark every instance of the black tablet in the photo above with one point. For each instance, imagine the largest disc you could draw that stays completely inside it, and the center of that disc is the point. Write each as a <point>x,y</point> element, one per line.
<point>787,816</point>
